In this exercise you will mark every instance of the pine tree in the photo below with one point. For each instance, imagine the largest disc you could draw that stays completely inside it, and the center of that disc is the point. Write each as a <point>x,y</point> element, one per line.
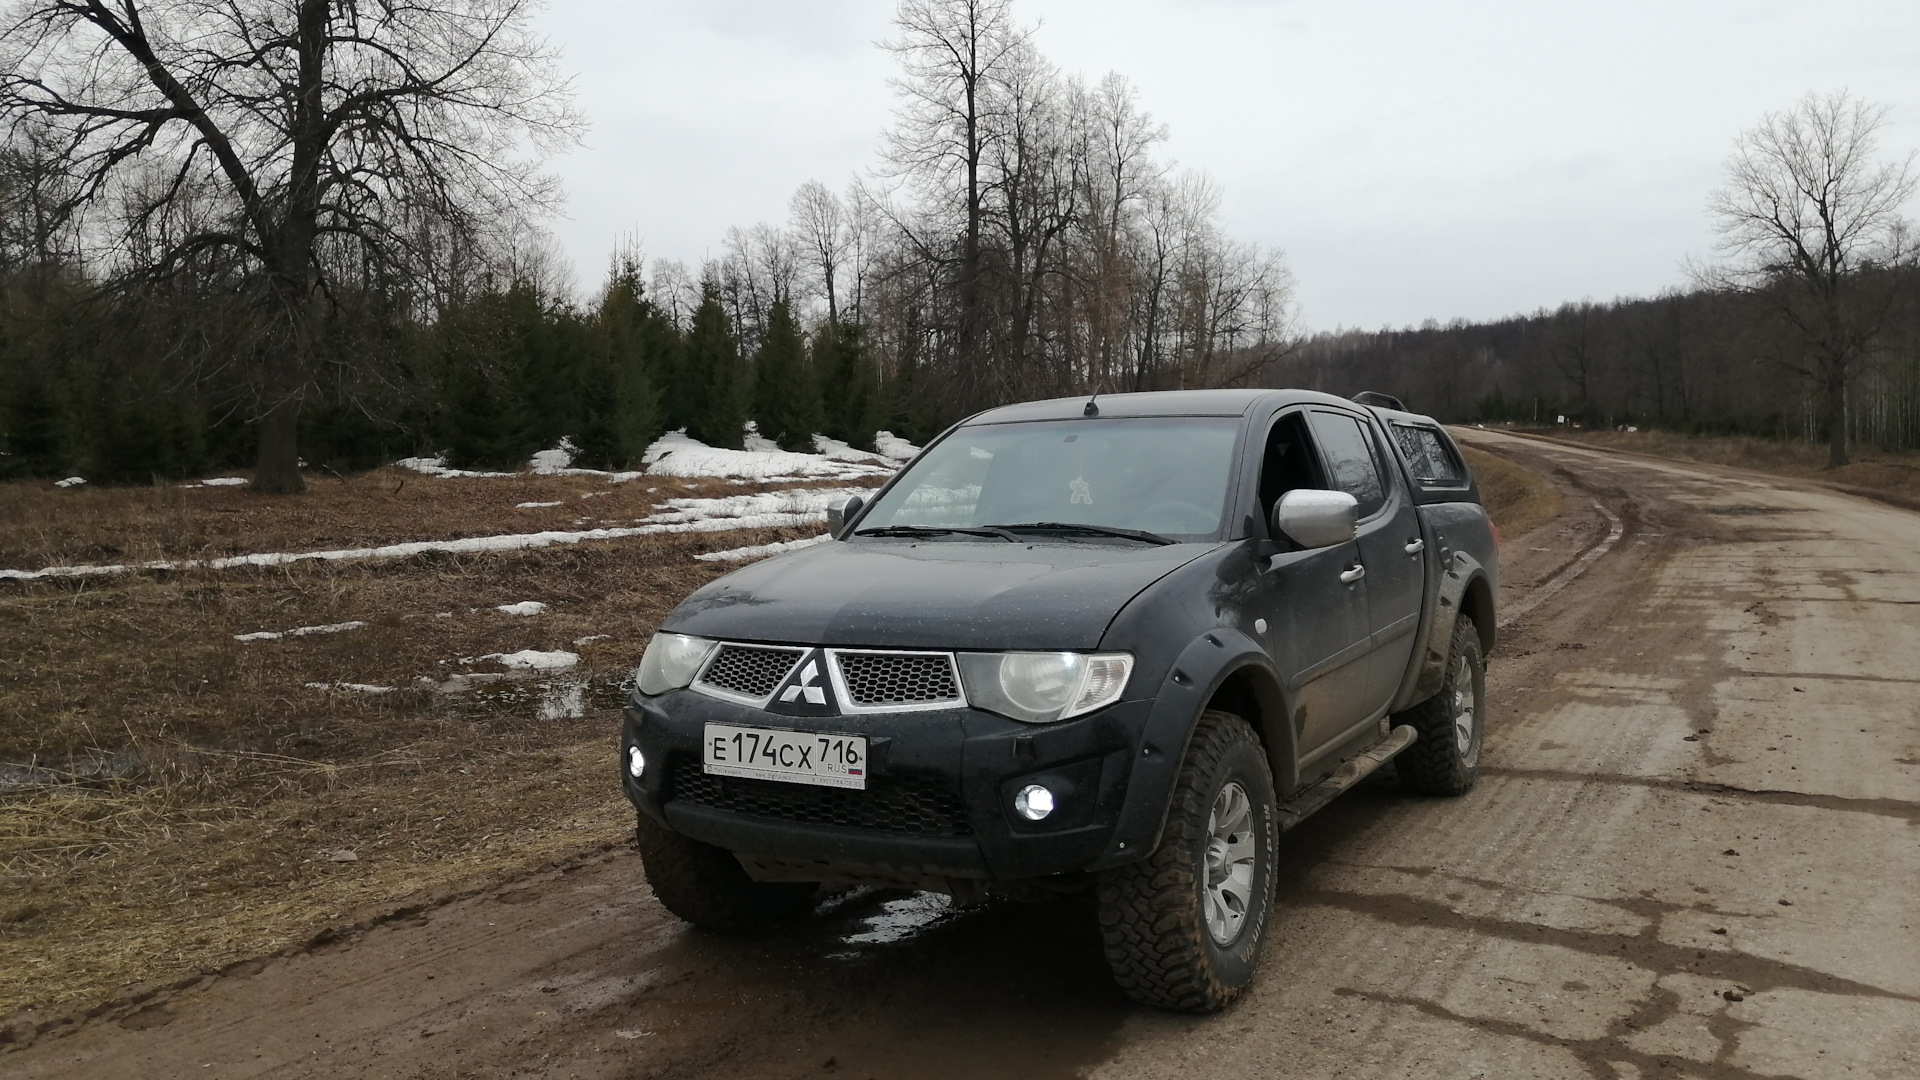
<point>551,346</point>
<point>849,386</point>
<point>709,387</point>
<point>619,403</point>
<point>786,394</point>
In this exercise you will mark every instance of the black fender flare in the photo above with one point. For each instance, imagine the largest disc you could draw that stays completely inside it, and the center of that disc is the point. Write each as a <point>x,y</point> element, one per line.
<point>1202,669</point>
<point>1465,589</point>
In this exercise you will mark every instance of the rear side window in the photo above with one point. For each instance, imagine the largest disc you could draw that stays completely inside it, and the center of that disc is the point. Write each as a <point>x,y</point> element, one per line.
<point>1429,456</point>
<point>1347,454</point>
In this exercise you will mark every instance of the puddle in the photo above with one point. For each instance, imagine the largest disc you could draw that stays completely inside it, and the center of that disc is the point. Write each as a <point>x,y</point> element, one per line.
<point>903,918</point>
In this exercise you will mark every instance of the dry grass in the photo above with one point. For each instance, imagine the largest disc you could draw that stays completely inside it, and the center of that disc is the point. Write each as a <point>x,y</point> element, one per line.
<point>41,525</point>
<point>172,800</point>
<point>1888,473</point>
<point>1518,500</point>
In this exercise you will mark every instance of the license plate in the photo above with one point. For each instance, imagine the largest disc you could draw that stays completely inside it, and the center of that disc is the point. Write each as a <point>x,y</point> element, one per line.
<point>796,757</point>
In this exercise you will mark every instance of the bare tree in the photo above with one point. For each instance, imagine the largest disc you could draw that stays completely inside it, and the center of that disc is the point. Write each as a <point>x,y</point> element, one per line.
<point>953,56</point>
<point>1807,217</point>
<point>821,225</point>
<point>320,134</point>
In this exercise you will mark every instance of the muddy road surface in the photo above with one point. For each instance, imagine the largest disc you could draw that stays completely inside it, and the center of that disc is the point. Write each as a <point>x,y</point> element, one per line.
<point>1693,852</point>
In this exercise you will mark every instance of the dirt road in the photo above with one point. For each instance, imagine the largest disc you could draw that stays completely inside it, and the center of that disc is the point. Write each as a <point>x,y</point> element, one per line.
<point>1692,853</point>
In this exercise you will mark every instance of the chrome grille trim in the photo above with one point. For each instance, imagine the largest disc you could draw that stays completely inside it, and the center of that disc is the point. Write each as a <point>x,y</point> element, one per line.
<point>848,704</point>
<point>738,693</point>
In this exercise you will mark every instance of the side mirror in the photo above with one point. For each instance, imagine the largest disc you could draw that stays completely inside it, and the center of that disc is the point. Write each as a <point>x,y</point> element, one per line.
<point>1316,519</point>
<point>838,516</point>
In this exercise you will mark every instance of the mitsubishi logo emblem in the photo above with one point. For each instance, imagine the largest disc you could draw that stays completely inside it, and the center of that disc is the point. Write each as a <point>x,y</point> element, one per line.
<point>807,684</point>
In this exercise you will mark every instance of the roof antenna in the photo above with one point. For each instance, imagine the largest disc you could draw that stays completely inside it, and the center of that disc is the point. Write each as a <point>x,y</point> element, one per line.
<point>1092,409</point>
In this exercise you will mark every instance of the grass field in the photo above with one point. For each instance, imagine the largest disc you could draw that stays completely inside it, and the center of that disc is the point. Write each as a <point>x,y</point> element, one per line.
<point>174,800</point>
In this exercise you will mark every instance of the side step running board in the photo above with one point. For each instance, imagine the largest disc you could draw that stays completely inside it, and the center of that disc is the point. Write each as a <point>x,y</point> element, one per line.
<point>1295,810</point>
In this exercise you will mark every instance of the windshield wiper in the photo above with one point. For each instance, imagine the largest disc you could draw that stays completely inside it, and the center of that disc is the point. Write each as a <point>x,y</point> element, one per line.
<point>939,530</point>
<point>1087,530</point>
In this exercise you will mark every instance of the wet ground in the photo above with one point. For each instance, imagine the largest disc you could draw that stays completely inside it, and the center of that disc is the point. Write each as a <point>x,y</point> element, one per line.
<point>1692,853</point>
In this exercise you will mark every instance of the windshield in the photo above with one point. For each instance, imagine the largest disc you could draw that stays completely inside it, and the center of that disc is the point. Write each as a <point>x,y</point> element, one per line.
<point>1161,475</point>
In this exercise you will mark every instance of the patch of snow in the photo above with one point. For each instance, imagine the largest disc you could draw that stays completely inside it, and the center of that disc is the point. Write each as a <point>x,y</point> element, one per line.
<point>437,466</point>
<point>354,687</point>
<point>551,462</point>
<point>892,447</point>
<point>759,551</point>
<point>299,631</point>
<point>579,641</point>
<point>839,451</point>
<point>559,462</point>
<point>808,504</point>
<point>533,505</point>
<point>70,482</point>
<point>778,509</point>
<point>676,454</point>
<point>524,607</point>
<point>224,481</point>
<point>754,443</point>
<point>535,660</point>
<point>563,701</point>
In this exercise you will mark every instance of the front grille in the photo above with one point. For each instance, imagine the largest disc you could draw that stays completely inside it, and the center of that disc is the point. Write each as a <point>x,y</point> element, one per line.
<point>914,804</point>
<point>749,670</point>
<point>879,679</point>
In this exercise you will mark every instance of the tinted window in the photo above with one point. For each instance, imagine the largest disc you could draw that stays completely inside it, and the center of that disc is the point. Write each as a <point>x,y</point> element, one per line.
<point>1348,456</point>
<point>1428,456</point>
<point>1288,463</point>
<point>1165,475</point>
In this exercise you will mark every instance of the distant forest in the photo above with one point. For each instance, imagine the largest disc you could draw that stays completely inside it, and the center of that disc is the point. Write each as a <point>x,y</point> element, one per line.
<point>1704,361</point>
<point>323,252</point>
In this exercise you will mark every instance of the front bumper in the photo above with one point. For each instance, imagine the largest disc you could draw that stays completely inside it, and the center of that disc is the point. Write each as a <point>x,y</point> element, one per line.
<point>939,800</point>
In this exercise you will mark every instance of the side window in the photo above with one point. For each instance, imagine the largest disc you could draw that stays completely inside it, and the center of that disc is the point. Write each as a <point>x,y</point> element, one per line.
<point>1289,462</point>
<point>1349,458</point>
<point>1428,455</point>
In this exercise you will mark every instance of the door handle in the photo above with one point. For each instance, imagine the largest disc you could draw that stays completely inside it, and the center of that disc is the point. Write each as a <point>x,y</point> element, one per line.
<point>1353,573</point>
<point>1415,546</point>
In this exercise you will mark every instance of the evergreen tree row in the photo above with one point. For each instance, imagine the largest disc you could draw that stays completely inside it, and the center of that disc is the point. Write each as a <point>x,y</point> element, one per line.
<point>488,380</point>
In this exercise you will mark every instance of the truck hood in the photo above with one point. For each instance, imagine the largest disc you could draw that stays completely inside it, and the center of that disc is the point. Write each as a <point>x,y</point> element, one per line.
<point>931,594</point>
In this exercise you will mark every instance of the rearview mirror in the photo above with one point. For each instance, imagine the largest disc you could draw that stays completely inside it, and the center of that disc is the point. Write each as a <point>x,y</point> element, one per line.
<point>839,515</point>
<point>1316,519</point>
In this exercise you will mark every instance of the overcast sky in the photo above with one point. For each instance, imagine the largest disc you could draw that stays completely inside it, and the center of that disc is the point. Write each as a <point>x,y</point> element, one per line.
<point>1414,160</point>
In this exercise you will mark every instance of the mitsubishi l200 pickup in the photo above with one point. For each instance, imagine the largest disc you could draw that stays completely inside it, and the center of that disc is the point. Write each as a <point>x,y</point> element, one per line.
<point>1115,645</point>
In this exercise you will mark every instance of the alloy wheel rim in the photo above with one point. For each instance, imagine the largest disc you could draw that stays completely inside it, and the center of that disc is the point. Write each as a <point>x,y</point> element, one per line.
<point>1463,707</point>
<point>1227,894</point>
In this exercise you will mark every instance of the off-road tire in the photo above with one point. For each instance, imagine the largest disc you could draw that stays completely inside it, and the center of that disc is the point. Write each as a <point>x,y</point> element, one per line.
<point>706,886</point>
<point>1152,918</point>
<point>1435,763</point>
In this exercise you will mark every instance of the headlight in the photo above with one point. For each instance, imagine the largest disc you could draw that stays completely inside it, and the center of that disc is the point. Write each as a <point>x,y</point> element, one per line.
<point>1042,687</point>
<point>671,662</point>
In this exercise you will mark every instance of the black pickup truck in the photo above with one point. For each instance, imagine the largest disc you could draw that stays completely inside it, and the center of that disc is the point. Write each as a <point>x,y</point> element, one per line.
<point>1116,644</point>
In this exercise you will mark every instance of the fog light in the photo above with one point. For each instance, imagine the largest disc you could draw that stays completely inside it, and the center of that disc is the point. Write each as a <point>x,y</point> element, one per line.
<point>637,764</point>
<point>1034,802</point>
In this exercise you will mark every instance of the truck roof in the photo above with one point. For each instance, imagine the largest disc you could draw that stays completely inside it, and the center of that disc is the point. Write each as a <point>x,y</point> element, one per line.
<point>1156,403</point>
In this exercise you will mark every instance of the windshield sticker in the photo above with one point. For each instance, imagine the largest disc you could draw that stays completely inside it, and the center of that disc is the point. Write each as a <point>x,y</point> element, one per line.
<point>1082,493</point>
